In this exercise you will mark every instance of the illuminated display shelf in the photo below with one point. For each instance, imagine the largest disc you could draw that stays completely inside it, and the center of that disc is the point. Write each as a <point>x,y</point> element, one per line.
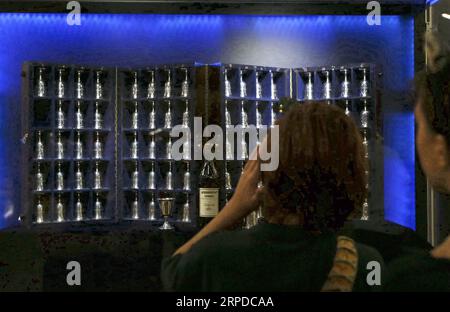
<point>291,40</point>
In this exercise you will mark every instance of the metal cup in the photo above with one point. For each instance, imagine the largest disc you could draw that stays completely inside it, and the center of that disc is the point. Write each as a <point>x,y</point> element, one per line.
<point>166,206</point>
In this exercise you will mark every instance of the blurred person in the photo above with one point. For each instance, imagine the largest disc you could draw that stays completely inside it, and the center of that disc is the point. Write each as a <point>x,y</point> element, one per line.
<point>430,271</point>
<point>319,184</point>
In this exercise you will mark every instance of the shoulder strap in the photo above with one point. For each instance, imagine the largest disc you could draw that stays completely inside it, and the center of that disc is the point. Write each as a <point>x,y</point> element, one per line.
<point>345,267</point>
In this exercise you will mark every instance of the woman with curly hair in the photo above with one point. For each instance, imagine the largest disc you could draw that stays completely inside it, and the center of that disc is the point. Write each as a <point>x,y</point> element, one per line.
<point>320,183</point>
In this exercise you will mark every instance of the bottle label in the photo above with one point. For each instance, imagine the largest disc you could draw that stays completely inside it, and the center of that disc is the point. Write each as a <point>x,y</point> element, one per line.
<point>209,202</point>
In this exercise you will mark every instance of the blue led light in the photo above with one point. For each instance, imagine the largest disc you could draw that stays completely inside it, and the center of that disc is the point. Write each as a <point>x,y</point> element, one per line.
<point>127,40</point>
<point>432,2</point>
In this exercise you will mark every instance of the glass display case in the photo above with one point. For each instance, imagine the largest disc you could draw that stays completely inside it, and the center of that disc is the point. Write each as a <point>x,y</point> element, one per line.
<point>105,111</point>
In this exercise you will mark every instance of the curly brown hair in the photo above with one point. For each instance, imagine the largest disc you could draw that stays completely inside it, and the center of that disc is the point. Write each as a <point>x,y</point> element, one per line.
<point>321,175</point>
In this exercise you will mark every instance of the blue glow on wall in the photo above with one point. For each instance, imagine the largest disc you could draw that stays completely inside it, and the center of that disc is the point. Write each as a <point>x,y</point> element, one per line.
<point>128,40</point>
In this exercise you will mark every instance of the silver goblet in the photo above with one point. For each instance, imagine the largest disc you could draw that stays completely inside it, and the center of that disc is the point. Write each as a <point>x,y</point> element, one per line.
<point>166,206</point>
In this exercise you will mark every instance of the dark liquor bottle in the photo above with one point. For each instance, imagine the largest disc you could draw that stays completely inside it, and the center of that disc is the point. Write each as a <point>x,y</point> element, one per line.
<point>208,193</point>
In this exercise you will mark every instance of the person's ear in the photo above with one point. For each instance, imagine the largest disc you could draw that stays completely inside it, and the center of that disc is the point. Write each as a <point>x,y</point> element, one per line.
<point>442,151</point>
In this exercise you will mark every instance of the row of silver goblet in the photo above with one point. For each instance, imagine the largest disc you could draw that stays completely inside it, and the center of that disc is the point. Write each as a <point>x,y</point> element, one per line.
<point>41,84</point>
<point>61,209</point>
<point>60,148</point>
<point>345,90</point>
<point>59,179</point>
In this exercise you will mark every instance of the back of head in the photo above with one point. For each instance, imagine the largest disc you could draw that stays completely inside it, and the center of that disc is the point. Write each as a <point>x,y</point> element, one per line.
<point>321,175</point>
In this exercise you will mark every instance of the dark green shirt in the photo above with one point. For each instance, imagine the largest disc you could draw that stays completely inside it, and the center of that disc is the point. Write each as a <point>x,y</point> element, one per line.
<point>418,272</point>
<point>267,257</point>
